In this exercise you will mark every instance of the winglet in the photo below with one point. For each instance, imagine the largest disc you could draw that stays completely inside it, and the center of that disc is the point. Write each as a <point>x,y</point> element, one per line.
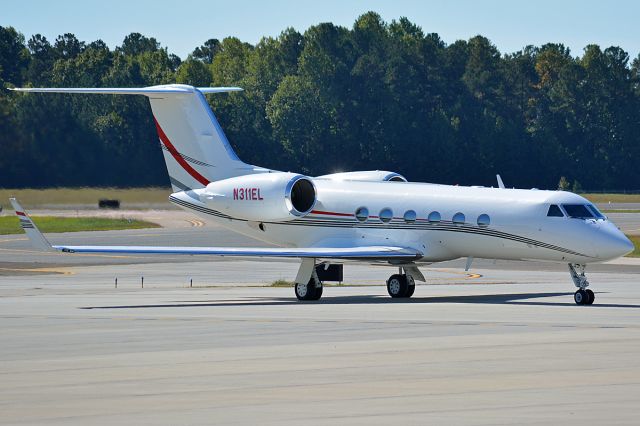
<point>500,183</point>
<point>38,241</point>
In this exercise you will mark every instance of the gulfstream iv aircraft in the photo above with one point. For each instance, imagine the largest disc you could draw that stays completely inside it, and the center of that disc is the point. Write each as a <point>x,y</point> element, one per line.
<point>367,216</point>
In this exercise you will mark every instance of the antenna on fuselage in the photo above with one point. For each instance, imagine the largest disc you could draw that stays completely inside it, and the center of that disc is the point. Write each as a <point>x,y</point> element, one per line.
<point>500,182</point>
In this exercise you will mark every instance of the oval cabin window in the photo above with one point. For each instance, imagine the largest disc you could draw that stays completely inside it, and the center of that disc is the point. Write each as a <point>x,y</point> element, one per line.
<point>386,215</point>
<point>362,214</point>
<point>484,220</point>
<point>458,218</point>
<point>434,217</point>
<point>410,216</point>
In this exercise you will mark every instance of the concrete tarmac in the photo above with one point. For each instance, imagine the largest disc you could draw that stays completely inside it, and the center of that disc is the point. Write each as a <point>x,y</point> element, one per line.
<point>501,344</point>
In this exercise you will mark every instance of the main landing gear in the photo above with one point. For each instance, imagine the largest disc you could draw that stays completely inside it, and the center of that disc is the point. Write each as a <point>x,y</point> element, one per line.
<point>401,285</point>
<point>583,296</point>
<point>309,291</point>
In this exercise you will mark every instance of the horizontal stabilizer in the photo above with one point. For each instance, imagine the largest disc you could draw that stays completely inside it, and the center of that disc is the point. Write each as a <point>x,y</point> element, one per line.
<point>147,91</point>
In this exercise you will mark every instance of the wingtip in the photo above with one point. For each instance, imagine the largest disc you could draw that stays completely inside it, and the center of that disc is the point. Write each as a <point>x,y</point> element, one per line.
<point>16,206</point>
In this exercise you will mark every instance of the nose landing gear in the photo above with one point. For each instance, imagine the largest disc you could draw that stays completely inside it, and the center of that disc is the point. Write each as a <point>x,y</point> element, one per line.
<point>583,296</point>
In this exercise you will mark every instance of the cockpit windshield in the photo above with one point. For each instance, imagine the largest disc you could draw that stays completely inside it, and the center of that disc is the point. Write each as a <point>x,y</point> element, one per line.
<point>595,211</point>
<point>582,211</point>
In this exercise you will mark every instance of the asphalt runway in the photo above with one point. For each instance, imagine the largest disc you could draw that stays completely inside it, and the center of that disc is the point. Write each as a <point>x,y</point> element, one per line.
<point>501,344</point>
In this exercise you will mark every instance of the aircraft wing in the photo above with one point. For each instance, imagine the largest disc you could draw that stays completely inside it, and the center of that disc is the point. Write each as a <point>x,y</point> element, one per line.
<point>355,253</point>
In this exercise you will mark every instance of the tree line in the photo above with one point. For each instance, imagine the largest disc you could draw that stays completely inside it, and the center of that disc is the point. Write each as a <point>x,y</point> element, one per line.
<point>378,95</point>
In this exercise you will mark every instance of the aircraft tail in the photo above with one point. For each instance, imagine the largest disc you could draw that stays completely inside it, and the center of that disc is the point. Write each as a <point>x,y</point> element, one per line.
<point>196,150</point>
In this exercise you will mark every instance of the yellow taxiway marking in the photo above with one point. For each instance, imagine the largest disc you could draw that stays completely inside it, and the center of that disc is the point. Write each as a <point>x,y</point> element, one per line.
<point>43,270</point>
<point>196,223</point>
<point>468,275</point>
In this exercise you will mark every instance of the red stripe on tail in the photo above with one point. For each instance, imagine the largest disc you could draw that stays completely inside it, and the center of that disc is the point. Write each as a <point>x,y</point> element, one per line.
<point>176,155</point>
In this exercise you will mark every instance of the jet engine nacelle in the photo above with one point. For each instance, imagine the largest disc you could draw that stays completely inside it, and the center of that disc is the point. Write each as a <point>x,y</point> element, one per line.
<point>262,197</point>
<point>368,175</point>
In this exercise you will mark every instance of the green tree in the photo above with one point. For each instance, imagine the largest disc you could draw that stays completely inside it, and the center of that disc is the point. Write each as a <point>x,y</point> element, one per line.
<point>194,73</point>
<point>301,117</point>
<point>136,44</point>
<point>14,56</point>
<point>67,46</point>
<point>208,51</point>
<point>376,95</point>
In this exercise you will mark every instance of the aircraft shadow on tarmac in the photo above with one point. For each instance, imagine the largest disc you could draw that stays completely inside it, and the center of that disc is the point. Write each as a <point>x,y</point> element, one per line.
<point>491,299</point>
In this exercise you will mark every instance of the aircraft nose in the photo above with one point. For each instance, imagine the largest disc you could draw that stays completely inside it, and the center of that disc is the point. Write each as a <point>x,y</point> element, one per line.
<point>614,244</point>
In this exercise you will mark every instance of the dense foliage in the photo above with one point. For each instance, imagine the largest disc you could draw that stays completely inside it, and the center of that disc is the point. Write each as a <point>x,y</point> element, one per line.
<point>376,96</point>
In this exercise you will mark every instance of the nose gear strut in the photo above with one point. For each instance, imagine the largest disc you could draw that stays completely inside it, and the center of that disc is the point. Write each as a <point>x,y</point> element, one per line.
<point>583,296</point>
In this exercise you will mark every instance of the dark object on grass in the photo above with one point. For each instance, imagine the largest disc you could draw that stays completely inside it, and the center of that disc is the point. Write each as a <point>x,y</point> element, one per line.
<point>109,204</point>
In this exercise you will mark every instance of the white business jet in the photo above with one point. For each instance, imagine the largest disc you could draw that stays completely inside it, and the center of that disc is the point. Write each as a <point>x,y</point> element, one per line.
<point>365,216</point>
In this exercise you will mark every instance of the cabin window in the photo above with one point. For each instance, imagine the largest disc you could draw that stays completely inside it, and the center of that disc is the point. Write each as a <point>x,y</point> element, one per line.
<point>410,216</point>
<point>578,211</point>
<point>386,215</point>
<point>554,211</point>
<point>458,218</point>
<point>484,220</point>
<point>362,214</point>
<point>434,217</point>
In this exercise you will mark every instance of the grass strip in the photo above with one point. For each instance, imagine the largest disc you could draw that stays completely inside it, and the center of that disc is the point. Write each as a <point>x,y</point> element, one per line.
<point>635,239</point>
<point>11,224</point>
<point>620,211</point>
<point>613,198</point>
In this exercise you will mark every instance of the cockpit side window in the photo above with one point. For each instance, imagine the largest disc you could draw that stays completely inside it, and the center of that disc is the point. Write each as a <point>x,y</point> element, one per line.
<point>595,211</point>
<point>578,211</point>
<point>554,211</point>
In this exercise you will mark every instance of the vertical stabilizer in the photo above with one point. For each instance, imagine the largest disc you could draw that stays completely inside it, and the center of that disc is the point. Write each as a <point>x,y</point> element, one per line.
<point>196,150</point>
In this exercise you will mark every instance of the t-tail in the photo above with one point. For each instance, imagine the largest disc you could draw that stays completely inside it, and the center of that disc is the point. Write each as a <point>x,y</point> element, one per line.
<point>196,150</point>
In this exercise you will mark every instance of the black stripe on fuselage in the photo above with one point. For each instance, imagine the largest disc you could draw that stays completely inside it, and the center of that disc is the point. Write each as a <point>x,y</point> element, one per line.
<point>443,226</point>
<point>187,158</point>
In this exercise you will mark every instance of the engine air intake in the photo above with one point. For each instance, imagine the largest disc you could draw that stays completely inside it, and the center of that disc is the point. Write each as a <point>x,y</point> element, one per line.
<point>301,193</point>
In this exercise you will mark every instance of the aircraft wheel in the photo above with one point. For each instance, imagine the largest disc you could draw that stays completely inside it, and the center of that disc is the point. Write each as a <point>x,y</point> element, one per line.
<point>397,285</point>
<point>303,291</point>
<point>581,297</point>
<point>308,291</point>
<point>411,286</point>
<point>317,291</point>
<point>591,297</point>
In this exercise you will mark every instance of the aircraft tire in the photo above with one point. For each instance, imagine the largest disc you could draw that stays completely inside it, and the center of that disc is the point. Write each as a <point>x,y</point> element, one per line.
<point>590,297</point>
<point>411,286</point>
<point>580,297</point>
<point>317,291</point>
<point>410,290</point>
<point>397,286</point>
<point>308,291</point>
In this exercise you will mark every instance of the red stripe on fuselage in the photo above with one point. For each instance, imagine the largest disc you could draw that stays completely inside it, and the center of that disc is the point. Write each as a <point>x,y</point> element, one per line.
<point>176,155</point>
<point>20,214</point>
<point>331,213</point>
